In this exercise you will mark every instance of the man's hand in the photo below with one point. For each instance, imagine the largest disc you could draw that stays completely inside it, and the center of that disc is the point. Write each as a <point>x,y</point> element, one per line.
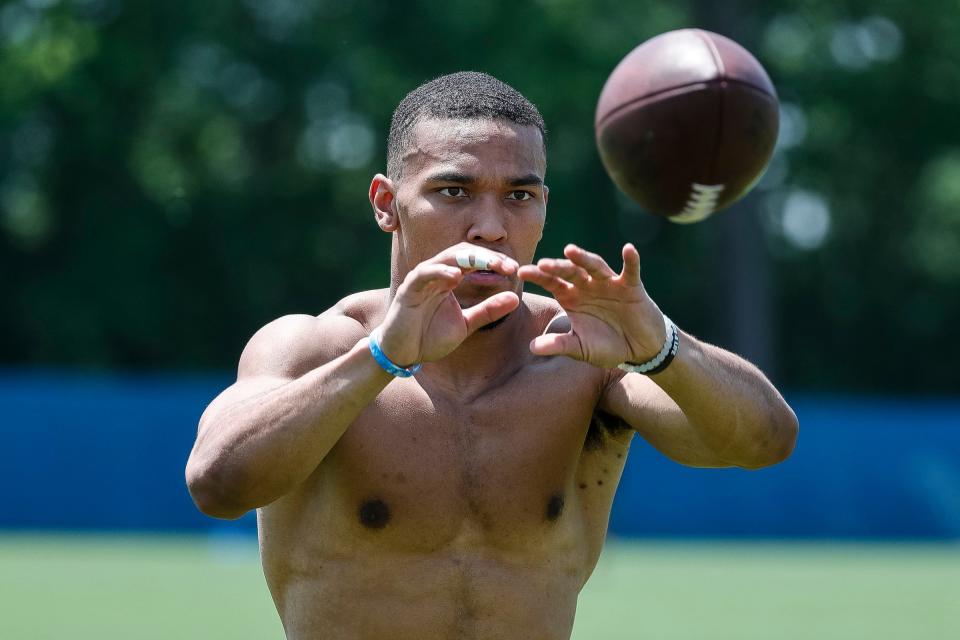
<point>425,322</point>
<point>613,319</point>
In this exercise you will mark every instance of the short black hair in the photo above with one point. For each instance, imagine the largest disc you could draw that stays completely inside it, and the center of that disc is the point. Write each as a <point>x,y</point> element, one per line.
<point>465,95</point>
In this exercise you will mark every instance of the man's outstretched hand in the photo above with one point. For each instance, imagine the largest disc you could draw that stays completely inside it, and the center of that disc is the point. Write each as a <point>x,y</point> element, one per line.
<point>613,319</point>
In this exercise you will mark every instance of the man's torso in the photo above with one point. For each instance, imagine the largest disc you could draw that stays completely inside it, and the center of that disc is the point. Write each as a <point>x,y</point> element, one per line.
<point>445,512</point>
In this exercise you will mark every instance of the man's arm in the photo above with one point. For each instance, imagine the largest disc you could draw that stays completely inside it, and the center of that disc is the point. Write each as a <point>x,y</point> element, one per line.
<point>292,401</point>
<point>302,381</point>
<point>708,408</point>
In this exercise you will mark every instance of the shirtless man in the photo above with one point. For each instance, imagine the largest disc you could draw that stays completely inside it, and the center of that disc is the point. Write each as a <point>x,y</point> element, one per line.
<point>471,499</point>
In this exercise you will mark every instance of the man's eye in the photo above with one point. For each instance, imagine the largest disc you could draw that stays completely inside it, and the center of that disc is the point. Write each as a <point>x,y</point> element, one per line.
<point>520,195</point>
<point>453,192</point>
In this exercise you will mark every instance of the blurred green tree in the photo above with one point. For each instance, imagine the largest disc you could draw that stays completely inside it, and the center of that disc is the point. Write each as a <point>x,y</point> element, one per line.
<point>174,175</point>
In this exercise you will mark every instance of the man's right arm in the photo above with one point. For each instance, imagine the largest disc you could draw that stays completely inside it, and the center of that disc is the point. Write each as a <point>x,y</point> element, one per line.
<point>301,382</point>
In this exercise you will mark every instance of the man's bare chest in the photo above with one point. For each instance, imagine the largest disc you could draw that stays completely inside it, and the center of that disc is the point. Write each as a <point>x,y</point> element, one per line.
<point>487,457</point>
<point>426,468</point>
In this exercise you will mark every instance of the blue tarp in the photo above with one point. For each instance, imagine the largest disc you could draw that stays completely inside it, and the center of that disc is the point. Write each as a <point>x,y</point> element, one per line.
<point>108,452</point>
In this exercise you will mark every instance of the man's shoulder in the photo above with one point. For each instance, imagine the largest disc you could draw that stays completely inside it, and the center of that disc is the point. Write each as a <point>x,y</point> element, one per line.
<point>547,313</point>
<point>294,344</point>
<point>365,307</point>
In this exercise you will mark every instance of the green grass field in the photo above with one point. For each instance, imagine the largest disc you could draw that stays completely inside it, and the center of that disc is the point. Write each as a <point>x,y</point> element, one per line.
<point>144,588</point>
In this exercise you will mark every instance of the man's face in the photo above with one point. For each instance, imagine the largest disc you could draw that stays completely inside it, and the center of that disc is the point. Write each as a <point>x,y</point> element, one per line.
<point>477,181</point>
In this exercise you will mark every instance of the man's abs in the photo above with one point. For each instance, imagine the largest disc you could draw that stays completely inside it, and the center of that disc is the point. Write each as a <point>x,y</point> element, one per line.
<point>444,595</point>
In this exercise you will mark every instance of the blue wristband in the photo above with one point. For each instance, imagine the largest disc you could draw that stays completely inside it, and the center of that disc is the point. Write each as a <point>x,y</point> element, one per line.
<point>384,361</point>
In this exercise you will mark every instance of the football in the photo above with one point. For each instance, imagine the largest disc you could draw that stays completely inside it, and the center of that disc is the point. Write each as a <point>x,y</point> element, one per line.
<point>687,123</point>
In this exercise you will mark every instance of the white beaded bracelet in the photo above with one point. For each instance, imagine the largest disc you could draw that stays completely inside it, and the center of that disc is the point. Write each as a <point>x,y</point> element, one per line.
<point>660,361</point>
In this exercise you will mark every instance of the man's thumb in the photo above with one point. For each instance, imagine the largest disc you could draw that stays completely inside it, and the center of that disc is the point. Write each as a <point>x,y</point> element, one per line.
<point>558,344</point>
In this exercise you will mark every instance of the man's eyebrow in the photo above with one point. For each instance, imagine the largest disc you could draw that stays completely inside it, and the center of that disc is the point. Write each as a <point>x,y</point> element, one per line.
<point>451,176</point>
<point>527,180</point>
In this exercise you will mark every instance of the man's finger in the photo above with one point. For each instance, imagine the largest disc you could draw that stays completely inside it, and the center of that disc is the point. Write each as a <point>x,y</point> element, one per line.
<point>553,284</point>
<point>631,265</point>
<point>564,269</point>
<point>557,344</point>
<point>426,274</point>
<point>468,256</point>
<point>596,266</point>
<point>490,310</point>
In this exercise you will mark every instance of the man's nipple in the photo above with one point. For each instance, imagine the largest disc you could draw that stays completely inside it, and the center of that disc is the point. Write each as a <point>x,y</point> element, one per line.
<point>374,514</point>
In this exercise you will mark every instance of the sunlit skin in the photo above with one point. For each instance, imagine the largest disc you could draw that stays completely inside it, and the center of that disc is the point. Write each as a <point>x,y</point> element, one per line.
<point>472,500</point>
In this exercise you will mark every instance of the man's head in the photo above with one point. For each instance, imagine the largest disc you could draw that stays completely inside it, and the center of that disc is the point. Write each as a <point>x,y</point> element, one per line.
<point>466,163</point>
<point>466,95</point>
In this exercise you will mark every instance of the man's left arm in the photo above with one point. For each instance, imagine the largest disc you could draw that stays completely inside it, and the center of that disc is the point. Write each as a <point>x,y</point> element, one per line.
<point>708,407</point>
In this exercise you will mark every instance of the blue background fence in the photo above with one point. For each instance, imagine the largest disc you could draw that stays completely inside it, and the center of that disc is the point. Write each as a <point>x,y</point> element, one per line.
<point>82,452</point>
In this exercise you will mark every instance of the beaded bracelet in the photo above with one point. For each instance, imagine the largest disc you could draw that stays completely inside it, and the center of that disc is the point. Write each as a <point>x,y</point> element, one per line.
<point>660,361</point>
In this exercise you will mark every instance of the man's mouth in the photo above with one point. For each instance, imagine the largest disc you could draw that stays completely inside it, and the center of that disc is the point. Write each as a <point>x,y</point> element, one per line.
<point>484,276</point>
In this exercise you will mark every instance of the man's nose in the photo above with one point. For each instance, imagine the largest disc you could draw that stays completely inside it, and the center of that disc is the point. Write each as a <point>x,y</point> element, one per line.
<point>487,224</point>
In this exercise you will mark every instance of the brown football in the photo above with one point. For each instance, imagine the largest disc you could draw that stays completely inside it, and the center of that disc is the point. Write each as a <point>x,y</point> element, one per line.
<point>686,123</point>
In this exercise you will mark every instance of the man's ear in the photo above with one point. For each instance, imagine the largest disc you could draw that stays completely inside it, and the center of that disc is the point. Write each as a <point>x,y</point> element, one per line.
<point>383,199</point>
<point>546,197</point>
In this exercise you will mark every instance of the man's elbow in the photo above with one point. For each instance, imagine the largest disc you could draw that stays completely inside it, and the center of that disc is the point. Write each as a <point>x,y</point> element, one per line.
<point>213,491</point>
<point>784,429</point>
